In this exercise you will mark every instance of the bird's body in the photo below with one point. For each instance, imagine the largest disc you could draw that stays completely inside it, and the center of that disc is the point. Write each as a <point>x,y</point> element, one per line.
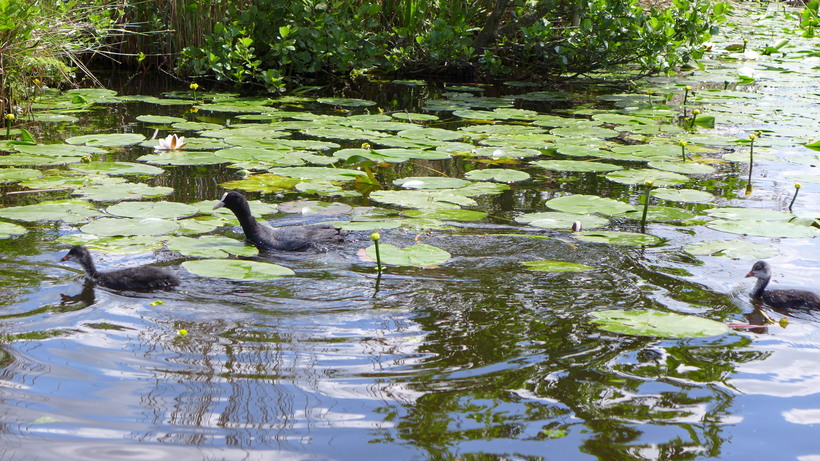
<point>780,298</point>
<point>266,238</point>
<point>142,278</point>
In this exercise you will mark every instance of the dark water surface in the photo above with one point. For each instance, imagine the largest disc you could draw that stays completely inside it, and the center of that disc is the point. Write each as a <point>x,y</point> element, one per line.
<point>479,358</point>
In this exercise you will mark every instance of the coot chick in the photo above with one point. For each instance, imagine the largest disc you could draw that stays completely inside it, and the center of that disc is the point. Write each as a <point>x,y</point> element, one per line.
<point>780,298</point>
<point>142,278</point>
<point>266,238</point>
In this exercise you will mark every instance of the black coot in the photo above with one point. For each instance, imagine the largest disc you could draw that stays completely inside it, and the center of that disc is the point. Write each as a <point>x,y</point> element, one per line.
<point>780,298</point>
<point>142,278</point>
<point>266,238</point>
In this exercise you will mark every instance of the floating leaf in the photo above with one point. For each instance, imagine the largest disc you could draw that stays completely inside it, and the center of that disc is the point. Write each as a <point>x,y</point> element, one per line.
<point>576,165</point>
<point>556,266</point>
<point>160,119</point>
<point>121,191</point>
<point>210,246</point>
<point>322,174</point>
<point>107,140</point>
<point>348,102</point>
<point>132,244</point>
<point>447,214</point>
<point>618,238</point>
<point>683,195</point>
<point>237,269</point>
<point>559,220</point>
<point>422,198</point>
<point>182,158</point>
<point>681,167</point>
<point>118,168</point>
<point>586,204</point>
<point>109,227</point>
<point>314,208</point>
<point>262,183</point>
<point>764,228</point>
<point>658,324</point>
<point>756,214</point>
<point>11,175</point>
<point>640,176</point>
<point>421,254</point>
<point>498,175</point>
<point>164,210</point>
<point>430,182</point>
<point>69,211</point>
<point>735,249</point>
<point>8,229</point>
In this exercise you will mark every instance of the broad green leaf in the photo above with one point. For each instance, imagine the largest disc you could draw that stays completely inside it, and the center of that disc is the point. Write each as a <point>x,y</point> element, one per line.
<point>12,175</point>
<point>107,140</point>
<point>160,119</point>
<point>118,168</point>
<point>237,269</point>
<point>576,166</point>
<point>559,220</point>
<point>210,246</point>
<point>164,210</point>
<point>764,228</point>
<point>498,175</point>
<point>617,238</point>
<point>640,176</point>
<point>109,227</point>
<point>69,211</point>
<point>682,195</point>
<point>420,254</point>
<point>8,229</point>
<point>586,204</point>
<point>556,266</point>
<point>735,249</point>
<point>657,324</point>
<point>430,182</point>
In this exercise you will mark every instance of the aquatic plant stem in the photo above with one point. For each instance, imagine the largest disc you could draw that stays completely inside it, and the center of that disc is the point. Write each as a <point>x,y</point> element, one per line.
<point>686,94</point>
<point>375,238</point>
<point>752,138</point>
<point>647,191</point>
<point>794,197</point>
<point>682,145</point>
<point>695,114</point>
<point>9,120</point>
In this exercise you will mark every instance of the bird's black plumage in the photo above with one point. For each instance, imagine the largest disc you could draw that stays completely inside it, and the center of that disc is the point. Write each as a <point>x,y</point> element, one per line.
<point>142,278</point>
<point>780,298</point>
<point>266,238</point>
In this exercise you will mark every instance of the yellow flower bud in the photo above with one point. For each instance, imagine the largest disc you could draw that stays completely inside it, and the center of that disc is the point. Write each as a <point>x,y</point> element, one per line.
<point>682,143</point>
<point>696,112</point>
<point>797,185</point>
<point>752,136</point>
<point>194,86</point>
<point>688,88</point>
<point>375,236</point>
<point>10,117</point>
<point>648,183</point>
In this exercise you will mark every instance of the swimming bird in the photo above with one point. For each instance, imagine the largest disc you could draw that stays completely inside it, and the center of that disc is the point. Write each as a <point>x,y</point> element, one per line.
<point>779,298</point>
<point>142,278</point>
<point>266,238</point>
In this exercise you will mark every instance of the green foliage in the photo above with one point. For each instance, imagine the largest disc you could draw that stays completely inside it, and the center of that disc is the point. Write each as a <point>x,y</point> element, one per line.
<point>809,19</point>
<point>270,41</point>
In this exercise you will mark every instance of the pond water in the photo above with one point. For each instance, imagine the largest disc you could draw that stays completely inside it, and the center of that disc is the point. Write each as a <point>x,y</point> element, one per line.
<point>470,355</point>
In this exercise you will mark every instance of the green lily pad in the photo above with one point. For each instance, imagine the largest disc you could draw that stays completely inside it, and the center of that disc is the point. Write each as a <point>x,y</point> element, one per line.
<point>430,182</point>
<point>59,150</point>
<point>160,119</point>
<point>314,208</point>
<point>107,140</point>
<point>11,175</point>
<point>683,195</point>
<point>764,228</point>
<point>118,168</point>
<point>8,229</point>
<point>182,158</point>
<point>164,210</point>
<point>681,167</point>
<point>586,204</point>
<point>617,238</point>
<point>735,249</point>
<point>447,214</point>
<point>659,213</point>
<point>576,166</point>
<point>755,214</point>
<point>121,191</point>
<point>415,117</point>
<point>109,227</point>
<point>69,211</point>
<point>640,176</point>
<point>348,102</point>
<point>237,269</point>
<point>263,183</point>
<point>498,175</point>
<point>318,173</point>
<point>422,198</point>
<point>559,220</point>
<point>657,324</point>
<point>556,266</point>
<point>132,244</point>
<point>420,255</point>
<point>210,246</point>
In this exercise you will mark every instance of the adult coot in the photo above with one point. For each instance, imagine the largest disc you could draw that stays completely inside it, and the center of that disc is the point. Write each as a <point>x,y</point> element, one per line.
<point>142,278</point>
<point>779,298</point>
<point>266,238</point>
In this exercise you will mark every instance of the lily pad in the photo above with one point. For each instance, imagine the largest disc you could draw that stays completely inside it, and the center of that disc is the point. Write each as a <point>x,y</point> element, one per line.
<point>118,168</point>
<point>764,228</point>
<point>681,167</point>
<point>348,102</point>
<point>498,175</point>
<point>735,249</point>
<point>430,182</point>
<point>756,214</point>
<point>210,246</point>
<point>314,208</point>
<point>455,214</point>
<point>318,173</point>
<point>653,323</point>
<point>576,166</point>
<point>421,255</point>
<point>69,211</point>
<point>160,119</point>
<point>422,198</point>
<point>109,227</point>
<point>107,140</point>
<point>8,229</point>
<point>263,183</point>
<point>121,191</point>
<point>164,210</point>
<point>11,175</point>
<point>640,176</point>
<point>586,204</point>
<point>618,238</point>
<point>237,269</point>
<point>556,266</point>
<point>682,195</point>
<point>559,220</point>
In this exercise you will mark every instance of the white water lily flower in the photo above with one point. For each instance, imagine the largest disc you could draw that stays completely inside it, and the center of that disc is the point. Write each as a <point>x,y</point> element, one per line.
<point>171,142</point>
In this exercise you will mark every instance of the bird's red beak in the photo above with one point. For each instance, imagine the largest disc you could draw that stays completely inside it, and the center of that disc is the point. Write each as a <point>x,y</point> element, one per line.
<point>750,274</point>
